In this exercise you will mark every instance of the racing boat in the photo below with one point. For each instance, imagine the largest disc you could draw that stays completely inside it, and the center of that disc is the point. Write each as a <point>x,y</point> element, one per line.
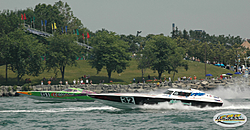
<point>190,97</point>
<point>70,94</point>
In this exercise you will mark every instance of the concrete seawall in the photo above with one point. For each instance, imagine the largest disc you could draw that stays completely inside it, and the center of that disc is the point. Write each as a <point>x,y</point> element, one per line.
<point>130,88</point>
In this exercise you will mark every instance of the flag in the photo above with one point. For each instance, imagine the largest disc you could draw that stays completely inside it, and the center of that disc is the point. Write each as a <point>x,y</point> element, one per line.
<point>52,26</point>
<point>55,26</point>
<point>30,19</point>
<point>87,35</point>
<point>65,28</point>
<point>45,22</point>
<point>21,16</point>
<point>77,32</point>
<point>73,31</point>
<point>42,22</point>
<point>24,16</point>
<point>33,19</point>
<point>62,29</point>
<point>82,36</point>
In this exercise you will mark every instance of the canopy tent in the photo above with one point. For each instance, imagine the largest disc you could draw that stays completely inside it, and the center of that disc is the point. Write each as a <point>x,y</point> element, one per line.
<point>237,73</point>
<point>209,75</point>
<point>229,74</point>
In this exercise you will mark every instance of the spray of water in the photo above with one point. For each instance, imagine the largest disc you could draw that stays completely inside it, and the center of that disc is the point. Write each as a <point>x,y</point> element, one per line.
<point>54,110</point>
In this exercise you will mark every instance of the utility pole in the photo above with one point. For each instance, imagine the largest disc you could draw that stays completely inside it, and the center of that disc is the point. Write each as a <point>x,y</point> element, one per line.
<point>205,59</point>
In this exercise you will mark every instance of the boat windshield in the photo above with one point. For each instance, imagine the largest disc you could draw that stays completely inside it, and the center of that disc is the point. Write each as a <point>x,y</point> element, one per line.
<point>76,91</point>
<point>181,93</point>
<point>168,92</point>
<point>68,90</point>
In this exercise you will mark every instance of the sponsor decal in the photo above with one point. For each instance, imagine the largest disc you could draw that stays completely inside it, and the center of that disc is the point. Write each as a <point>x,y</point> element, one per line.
<point>230,119</point>
<point>45,94</point>
<point>130,100</point>
<point>62,94</point>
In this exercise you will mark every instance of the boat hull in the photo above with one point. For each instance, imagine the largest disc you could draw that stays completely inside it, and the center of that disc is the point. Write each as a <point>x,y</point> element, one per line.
<point>59,96</point>
<point>125,102</point>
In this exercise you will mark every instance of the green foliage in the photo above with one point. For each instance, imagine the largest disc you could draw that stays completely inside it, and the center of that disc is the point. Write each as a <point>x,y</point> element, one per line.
<point>14,87</point>
<point>9,89</point>
<point>61,52</point>
<point>109,51</point>
<point>165,54</point>
<point>26,87</point>
<point>23,53</point>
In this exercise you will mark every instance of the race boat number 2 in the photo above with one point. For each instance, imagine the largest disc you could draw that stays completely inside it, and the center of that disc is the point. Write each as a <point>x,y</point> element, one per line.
<point>130,100</point>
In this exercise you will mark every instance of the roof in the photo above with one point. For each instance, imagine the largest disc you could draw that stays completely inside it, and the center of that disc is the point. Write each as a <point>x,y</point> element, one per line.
<point>246,44</point>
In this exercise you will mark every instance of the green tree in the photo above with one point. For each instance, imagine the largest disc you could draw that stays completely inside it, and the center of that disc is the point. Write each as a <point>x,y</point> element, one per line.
<point>9,23</point>
<point>62,51</point>
<point>109,51</point>
<point>164,50</point>
<point>24,53</point>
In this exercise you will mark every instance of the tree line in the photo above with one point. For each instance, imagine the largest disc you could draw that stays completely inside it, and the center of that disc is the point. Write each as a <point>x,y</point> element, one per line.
<point>21,52</point>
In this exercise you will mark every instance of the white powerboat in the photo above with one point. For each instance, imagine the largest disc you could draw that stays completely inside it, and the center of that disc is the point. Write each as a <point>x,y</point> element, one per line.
<point>191,97</point>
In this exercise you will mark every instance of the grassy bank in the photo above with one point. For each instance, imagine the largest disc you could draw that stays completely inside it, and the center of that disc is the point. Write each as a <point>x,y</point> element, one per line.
<point>83,68</point>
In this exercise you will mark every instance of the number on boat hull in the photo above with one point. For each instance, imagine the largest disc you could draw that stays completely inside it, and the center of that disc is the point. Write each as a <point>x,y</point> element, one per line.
<point>130,100</point>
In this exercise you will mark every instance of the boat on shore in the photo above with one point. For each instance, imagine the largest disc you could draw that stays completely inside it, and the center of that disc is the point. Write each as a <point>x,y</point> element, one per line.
<point>190,97</point>
<point>70,95</point>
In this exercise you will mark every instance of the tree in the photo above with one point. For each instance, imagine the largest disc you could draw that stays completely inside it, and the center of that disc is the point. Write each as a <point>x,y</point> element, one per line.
<point>164,50</point>
<point>109,51</point>
<point>176,60</point>
<point>9,22</point>
<point>62,51</point>
<point>144,59</point>
<point>24,53</point>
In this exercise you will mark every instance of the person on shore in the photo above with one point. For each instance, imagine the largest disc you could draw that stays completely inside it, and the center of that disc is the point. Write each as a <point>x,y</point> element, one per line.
<point>195,77</point>
<point>81,81</point>
<point>134,80</point>
<point>143,80</point>
<point>169,79</point>
<point>90,82</point>
<point>49,82</point>
<point>87,81</point>
<point>74,82</point>
<point>148,77</point>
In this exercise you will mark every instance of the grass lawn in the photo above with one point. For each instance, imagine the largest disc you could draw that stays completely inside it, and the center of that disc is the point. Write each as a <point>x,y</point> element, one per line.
<point>83,68</point>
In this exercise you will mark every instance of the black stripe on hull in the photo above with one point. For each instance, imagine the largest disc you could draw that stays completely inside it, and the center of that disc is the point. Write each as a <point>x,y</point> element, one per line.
<point>148,100</point>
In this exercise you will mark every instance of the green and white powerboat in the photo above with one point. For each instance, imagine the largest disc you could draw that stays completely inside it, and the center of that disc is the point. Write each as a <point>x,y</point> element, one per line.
<point>70,95</point>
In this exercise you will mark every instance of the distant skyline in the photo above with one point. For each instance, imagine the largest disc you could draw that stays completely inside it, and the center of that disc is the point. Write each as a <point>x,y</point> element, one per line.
<point>216,17</point>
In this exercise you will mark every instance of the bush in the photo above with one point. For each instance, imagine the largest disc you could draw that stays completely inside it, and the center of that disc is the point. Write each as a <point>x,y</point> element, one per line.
<point>14,87</point>
<point>26,87</point>
<point>9,89</point>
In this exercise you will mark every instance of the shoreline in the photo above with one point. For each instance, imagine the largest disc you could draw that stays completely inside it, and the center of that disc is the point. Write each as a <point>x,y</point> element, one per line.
<point>6,91</point>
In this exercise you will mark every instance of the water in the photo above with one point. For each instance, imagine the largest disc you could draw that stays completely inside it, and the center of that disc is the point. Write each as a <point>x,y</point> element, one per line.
<point>24,113</point>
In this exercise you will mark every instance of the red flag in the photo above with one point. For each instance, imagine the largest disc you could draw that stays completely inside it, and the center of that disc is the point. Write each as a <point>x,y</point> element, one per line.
<point>82,36</point>
<point>24,16</point>
<point>87,35</point>
<point>21,16</point>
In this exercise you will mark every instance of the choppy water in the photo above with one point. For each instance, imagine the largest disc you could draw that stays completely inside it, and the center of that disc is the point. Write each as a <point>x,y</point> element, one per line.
<point>24,113</point>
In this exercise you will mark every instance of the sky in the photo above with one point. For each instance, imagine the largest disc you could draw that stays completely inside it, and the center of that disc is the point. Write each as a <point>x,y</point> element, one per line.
<point>216,17</point>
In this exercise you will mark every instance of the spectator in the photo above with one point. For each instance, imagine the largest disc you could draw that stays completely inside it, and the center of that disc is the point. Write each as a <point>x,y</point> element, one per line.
<point>169,79</point>
<point>195,77</point>
<point>87,81</point>
<point>49,82</point>
<point>74,82</point>
<point>143,80</point>
<point>148,76</point>
<point>134,80</point>
<point>90,82</point>
<point>81,81</point>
